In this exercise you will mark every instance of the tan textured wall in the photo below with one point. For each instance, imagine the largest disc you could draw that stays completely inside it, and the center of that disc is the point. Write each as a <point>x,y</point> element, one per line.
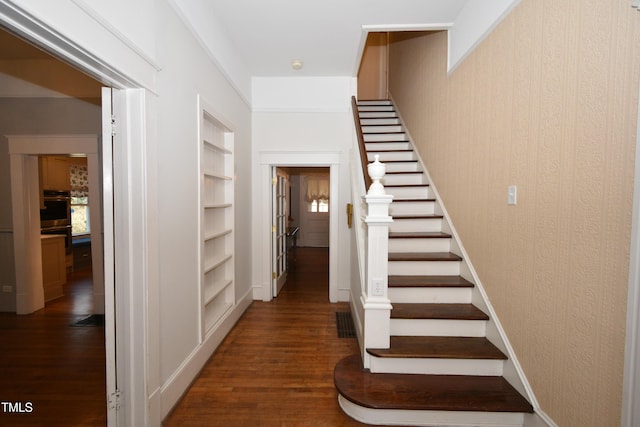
<point>547,102</point>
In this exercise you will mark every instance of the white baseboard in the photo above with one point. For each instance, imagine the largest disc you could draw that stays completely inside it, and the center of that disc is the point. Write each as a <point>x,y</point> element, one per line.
<point>538,419</point>
<point>177,385</point>
<point>343,295</point>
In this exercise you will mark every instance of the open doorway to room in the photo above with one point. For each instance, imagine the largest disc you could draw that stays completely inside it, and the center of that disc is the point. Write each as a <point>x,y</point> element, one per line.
<point>269,163</point>
<point>48,358</point>
<point>301,201</point>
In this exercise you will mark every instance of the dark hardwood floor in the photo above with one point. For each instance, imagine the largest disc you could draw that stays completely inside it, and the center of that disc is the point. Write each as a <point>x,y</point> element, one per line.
<point>275,368</point>
<point>58,368</point>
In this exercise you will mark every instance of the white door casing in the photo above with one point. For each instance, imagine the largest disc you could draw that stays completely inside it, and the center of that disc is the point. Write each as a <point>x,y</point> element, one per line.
<point>293,159</point>
<point>23,151</point>
<point>278,230</point>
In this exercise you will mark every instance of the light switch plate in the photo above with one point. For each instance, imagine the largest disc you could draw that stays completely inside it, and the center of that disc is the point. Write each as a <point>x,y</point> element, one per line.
<point>512,195</point>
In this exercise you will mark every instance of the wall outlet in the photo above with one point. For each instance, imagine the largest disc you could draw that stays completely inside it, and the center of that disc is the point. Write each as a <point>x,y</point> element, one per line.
<point>7,288</point>
<point>377,288</point>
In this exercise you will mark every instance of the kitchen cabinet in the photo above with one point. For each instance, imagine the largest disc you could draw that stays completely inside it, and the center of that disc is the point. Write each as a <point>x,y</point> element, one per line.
<point>54,271</point>
<point>54,173</point>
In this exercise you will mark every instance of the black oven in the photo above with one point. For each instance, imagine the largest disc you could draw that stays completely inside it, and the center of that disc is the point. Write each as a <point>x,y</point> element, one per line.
<point>57,209</point>
<point>55,218</point>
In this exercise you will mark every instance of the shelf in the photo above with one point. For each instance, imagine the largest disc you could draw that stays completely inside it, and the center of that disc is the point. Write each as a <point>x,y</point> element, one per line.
<point>218,205</point>
<point>215,289</point>
<point>210,144</point>
<point>214,312</point>
<point>217,275</point>
<point>218,234</point>
<point>216,264</point>
<point>217,176</point>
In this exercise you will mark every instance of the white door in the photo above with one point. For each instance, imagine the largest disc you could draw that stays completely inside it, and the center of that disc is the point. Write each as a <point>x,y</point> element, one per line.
<point>314,217</point>
<point>110,98</point>
<point>279,230</point>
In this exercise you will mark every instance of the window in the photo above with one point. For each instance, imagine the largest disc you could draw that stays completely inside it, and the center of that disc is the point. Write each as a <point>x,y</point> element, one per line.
<point>317,194</point>
<point>321,205</point>
<point>79,200</point>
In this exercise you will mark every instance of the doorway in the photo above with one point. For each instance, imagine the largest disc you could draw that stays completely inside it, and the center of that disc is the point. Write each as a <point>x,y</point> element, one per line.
<point>300,216</point>
<point>53,110</point>
<point>287,159</point>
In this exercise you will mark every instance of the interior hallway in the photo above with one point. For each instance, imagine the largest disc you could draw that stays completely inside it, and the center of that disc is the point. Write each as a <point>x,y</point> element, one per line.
<point>59,368</point>
<point>275,368</point>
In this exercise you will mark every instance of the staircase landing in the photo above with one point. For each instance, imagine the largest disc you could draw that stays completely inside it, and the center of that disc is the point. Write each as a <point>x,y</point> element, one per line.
<point>426,392</point>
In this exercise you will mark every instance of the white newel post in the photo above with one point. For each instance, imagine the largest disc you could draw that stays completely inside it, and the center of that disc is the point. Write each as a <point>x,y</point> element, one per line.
<point>377,307</point>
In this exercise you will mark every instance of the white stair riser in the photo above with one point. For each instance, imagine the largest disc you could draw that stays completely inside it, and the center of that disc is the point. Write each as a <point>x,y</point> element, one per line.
<point>430,418</point>
<point>404,179</point>
<point>482,367</point>
<point>384,137</point>
<point>422,224</point>
<point>397,145</point>
<point>428,268</point>
<point>381,128</point>
<point>421,192</point>
<point>388,121</point>
<point>403,167</point>
<point>363,108</point>
<point>391,156</point>
<point>419,245</point>
<point>374,102</point>
<point>412,208</point>
<point>430,295</point>
<point>438,327</point>
<point>377,114</point>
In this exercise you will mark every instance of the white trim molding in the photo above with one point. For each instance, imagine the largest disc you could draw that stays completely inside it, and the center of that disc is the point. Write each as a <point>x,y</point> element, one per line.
<point>72,17</point>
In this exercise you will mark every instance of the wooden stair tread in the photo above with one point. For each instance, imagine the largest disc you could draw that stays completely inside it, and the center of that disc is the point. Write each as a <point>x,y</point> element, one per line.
<point>405,185</point>
<point>424,256</point>
<point>431,216</point>
<point>418,235</point>
<point>438,311</point>
<point>425,392</point>
<point>440,348</point>
<point>404,173</point>
<point>412,200</point>
<point>429,281</point>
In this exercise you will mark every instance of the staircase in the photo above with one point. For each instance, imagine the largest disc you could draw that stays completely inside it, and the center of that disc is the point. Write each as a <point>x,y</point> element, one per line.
<point>440,367</point>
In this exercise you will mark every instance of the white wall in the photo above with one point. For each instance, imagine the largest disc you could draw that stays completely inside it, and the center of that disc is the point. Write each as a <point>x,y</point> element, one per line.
<point>474,22</point>
<point>187,72</point>
<point>202,19</point>
<point>286,121</point>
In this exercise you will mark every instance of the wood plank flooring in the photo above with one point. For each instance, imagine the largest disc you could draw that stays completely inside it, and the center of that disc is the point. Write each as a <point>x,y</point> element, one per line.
<point>275,368</point>
<point>58,368</point>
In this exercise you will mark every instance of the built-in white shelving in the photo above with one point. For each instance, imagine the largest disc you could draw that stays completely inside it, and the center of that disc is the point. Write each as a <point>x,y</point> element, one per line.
<point>216,219</point>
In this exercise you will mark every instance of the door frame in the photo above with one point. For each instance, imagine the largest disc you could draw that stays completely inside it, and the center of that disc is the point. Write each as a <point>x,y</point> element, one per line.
<point>23,151</point>
<point>270,159</point>
<point>137,399</point>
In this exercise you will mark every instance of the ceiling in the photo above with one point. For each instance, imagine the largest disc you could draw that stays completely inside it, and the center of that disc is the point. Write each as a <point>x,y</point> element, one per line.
<point>327,35</point>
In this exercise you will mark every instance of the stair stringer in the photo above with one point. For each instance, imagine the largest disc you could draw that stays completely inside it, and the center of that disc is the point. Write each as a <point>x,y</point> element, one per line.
<point>512,370</point>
